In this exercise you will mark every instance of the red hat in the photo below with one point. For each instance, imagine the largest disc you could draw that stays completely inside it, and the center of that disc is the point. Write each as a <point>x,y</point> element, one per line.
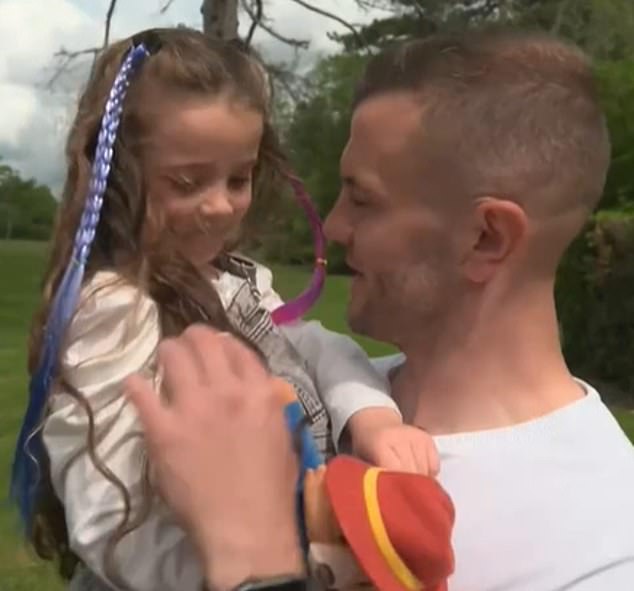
<point>398,525</point>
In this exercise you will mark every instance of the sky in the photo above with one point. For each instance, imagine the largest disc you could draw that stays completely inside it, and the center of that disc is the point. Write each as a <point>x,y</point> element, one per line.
<point>35,115</point>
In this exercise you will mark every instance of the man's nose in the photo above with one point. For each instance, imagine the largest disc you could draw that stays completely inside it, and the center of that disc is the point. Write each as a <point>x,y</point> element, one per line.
<point>336,227</point>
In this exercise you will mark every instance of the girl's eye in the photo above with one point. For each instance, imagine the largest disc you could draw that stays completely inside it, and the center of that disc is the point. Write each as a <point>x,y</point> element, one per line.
<point>184,183</point>
<point>239,182</point>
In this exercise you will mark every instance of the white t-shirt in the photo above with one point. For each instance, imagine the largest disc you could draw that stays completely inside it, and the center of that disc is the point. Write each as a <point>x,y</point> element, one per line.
<point>542,506</point>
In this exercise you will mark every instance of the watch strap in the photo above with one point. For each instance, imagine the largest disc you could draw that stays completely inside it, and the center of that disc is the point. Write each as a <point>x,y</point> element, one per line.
<point>281,583</point>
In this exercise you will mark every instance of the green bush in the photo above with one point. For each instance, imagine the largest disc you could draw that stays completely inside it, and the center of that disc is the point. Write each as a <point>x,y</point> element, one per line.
<point>596,308</point>
<point>27,209</point>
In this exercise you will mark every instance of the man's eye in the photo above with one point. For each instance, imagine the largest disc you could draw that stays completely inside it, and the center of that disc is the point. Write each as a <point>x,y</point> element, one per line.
<point>358,200</point>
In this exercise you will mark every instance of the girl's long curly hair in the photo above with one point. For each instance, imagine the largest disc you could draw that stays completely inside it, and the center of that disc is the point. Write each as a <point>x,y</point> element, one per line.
<point>186,61</point>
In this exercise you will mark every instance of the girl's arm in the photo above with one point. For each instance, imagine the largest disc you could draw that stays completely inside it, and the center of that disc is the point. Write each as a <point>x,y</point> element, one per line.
<point>345,378</point>
<point>114,334</point>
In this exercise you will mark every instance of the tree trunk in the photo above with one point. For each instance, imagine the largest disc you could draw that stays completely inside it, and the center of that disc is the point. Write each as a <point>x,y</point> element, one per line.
<point>220,18</point>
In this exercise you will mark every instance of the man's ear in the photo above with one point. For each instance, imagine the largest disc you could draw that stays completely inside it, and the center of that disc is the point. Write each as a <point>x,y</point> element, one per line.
<point>499,226</point>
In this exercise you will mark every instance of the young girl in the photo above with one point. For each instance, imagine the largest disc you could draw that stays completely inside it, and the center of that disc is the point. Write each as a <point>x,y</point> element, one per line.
<point>185,143</point>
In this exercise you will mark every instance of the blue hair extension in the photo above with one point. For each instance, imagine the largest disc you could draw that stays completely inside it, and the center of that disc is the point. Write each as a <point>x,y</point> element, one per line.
<point>29,449</point>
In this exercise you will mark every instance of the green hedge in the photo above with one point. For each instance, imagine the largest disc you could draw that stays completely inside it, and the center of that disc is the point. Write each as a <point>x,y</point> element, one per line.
<point>595,301</point>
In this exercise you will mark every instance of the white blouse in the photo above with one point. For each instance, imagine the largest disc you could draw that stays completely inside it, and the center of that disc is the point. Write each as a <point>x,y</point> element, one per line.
<point>115,333</point>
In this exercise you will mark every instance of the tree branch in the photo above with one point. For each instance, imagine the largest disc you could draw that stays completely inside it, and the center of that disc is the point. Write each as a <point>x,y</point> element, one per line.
<point>73,54</point>
<point>106,32</point>
<point>287,80</point>
<point>331,16</point>
<point>297,43</point>
<point>257,20</point>
<point>375,5</point>
<point>67,57</point>
<point>166,6</point>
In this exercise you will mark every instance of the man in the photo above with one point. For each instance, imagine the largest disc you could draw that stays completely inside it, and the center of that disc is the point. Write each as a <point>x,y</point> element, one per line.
<point>472,163</point>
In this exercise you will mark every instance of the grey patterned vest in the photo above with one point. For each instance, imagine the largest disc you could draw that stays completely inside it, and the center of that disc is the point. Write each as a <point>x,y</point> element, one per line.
<point>254,322</point>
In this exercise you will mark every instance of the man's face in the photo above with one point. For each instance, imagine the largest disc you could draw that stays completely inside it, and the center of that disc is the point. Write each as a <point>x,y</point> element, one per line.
<point>402,235</point>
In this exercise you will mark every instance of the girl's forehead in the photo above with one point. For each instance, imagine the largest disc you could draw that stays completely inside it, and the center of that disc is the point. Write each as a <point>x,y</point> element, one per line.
<point>191,128</point>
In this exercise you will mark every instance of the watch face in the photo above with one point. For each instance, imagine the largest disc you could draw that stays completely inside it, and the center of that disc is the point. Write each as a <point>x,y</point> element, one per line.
<point>333,566</point>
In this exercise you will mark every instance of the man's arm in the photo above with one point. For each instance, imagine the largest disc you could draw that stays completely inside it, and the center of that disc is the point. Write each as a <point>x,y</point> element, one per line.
<point>223,457</point>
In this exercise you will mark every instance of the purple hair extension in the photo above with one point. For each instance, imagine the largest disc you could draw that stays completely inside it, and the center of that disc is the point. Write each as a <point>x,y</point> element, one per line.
<point>296,308</point>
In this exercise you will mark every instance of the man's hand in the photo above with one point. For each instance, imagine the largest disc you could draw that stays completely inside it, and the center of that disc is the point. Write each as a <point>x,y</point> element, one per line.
<point>380,438</point>
<point>222,455</point>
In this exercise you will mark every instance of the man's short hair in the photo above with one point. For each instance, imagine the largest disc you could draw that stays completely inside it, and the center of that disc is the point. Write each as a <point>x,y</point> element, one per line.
<point>511,114</point>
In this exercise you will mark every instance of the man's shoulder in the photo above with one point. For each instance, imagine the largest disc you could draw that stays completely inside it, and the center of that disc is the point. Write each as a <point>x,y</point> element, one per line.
<point>608,437</point>
<point>555,497</point>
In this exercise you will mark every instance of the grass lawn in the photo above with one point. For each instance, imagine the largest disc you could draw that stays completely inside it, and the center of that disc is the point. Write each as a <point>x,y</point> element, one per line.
<point>20,270</point>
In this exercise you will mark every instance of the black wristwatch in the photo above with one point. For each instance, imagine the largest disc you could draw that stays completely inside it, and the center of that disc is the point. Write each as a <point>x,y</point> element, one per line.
<point>282,583</point>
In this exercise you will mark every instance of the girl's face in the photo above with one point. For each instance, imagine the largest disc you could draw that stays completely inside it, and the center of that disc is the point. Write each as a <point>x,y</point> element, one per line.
<point>199,162</point>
